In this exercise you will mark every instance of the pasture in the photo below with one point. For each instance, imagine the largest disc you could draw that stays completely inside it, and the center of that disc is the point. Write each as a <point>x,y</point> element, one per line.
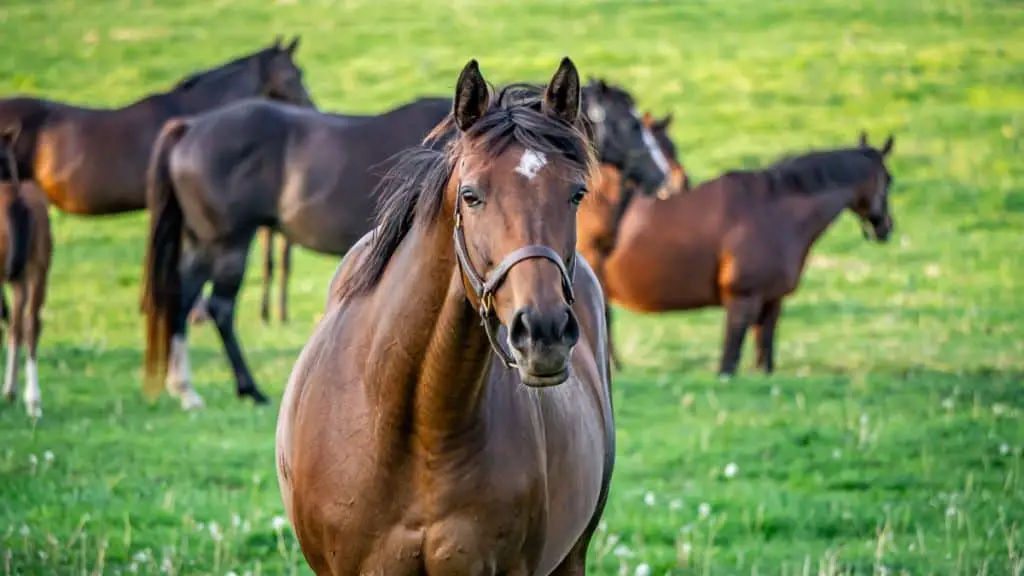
<point>889,441</point>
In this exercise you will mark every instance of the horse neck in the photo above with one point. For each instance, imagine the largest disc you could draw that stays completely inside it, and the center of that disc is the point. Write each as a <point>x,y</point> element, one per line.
<point>208,94</point>
<point>434,354</point>
<point>817,210</point>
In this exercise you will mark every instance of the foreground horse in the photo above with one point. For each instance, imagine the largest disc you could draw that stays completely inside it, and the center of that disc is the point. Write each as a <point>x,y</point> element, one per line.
<point>635,148</point>
<point>741,240</point>
<point>26,247</point>
<point>409,440</point>
<point>93,161</point>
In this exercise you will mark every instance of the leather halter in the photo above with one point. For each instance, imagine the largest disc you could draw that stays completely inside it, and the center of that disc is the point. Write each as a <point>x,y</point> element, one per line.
<point>485,288</point>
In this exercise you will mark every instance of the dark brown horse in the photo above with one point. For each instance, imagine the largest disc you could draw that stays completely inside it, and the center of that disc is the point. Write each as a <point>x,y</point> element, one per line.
<point>622,139</point>
<point>741,240</point>
<point>410,439</point>
<point>26,246</point>
<point>92,161</point>
<point>342,159</point>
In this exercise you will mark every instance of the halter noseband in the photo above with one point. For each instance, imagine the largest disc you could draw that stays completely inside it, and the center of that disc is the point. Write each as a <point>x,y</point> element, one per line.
<point>484,288</point>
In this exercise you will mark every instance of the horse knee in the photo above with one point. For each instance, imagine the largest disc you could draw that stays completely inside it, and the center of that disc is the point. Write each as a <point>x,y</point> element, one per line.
<point>220,309</point>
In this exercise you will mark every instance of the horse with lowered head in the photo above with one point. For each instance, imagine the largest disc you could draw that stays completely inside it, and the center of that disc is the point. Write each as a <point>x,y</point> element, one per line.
<point>460,371</point>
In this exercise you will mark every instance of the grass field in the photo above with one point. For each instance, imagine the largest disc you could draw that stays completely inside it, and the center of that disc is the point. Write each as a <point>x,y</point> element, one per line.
<point>889,442</point>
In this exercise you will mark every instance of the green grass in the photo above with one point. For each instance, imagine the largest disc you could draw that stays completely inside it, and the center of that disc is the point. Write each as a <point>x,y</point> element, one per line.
<point>889,442</point>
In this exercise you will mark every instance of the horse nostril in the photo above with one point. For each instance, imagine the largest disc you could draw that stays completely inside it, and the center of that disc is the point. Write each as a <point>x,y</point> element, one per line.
<point>519,330</point>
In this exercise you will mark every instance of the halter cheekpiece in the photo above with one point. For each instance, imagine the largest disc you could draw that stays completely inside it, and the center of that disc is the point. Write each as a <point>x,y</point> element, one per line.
<point>485,288</point>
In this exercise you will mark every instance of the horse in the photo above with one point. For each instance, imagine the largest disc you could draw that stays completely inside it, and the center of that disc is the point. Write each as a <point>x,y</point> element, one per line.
<point>741,241</point>
<point>637,147</point>
<point>679,178</point>
<point>323,182</point>
<point>409,440</point>
<point>93,161</point>
<point>26,247</point>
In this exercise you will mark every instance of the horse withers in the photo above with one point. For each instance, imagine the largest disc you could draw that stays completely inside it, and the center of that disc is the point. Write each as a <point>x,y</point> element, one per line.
<point>26,247</point>
<point>741,240</point>
<point>451,413</point>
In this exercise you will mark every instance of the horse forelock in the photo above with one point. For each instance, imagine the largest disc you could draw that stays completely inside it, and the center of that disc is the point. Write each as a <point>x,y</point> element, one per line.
<point>413,189</point>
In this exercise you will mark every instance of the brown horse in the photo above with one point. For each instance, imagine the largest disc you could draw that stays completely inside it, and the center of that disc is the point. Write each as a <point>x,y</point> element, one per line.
<point>679,178</point>
<point>93,161</point>
<point>740,240</point>
<point>26,247</point>
<point>639,149</point>
<point>409,440</point>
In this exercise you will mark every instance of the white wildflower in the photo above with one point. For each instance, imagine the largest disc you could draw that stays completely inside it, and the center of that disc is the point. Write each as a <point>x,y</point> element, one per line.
<point>623,551</point>
<point>141,556</point>
<point>676,504</point>
<point>33,460</point>
<point>948,403</point>
<point>649,498</point>
<point>24,531</point>
<point>731,469</point>
<point>704,510</point>
<point>231,573</point>
<point>215,532</point>
<point>236,520</point>
<point>279,523</point>
<point>951,510</point>
<point>48,456</point>
<point>1004,448</point>
<point>642,569</point>
<point>687,548</point>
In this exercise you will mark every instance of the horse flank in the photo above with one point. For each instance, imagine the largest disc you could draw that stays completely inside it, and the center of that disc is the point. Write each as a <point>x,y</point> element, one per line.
<point>414,187</point>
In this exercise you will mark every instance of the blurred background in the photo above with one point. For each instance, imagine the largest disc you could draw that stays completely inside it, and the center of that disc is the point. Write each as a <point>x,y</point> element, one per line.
<point>888,442</point>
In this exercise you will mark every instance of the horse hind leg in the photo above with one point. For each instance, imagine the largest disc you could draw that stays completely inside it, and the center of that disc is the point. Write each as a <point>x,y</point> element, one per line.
<point>764,334</point>
<point>286,272</point>
<point>14,339</point>
<point>268,273</point>
<point>179,377</point>
<point>228,273</point>
<point>33,329</point>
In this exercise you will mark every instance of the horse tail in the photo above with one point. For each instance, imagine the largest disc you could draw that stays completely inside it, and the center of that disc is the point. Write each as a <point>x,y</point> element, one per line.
<point>161,281</point>
<point>19,215</point>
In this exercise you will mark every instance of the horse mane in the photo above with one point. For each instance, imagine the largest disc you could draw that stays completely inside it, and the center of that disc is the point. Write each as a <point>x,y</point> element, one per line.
<point>413,189</point>
<point>821,169</point>
<point>190,81</point>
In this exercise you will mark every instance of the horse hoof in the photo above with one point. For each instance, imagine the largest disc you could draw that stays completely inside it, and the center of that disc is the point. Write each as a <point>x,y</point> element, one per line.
<point>258,397</point>
<point>34,410</point>
<point>191,401</point>
<point>724,376</point>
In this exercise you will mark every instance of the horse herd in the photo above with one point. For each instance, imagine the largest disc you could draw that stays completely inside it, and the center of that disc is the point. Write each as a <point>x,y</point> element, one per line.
<point>451,411</point>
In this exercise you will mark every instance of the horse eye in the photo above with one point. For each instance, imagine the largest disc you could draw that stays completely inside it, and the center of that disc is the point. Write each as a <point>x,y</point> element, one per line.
<point>579,195</point>
<point>470,197</point>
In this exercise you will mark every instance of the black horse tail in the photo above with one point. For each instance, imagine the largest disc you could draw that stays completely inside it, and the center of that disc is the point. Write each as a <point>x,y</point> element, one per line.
<point>161,279</point>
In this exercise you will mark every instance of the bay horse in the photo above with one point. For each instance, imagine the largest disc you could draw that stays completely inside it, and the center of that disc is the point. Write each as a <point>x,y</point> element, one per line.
<point>636,147</point>
<point>741,241</point>
<point>410,440</point>
<point>92,161</point>
<point>26,247</point>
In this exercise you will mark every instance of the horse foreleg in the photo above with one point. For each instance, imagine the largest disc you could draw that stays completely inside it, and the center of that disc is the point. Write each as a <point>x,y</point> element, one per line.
<point>14,339</point>
<point>268,272</point>
<point>286,272</point>
<point>33,326</point>
<point>194,275</point>
<point>740,313</point>
<point>764,334</point>
<point>228,273</point>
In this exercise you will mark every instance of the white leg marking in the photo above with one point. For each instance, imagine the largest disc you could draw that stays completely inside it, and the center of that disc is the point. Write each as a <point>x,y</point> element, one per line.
<point>10,384</point>
<point>33,396</point>
<point>530,163</point>
<point>179,377</point>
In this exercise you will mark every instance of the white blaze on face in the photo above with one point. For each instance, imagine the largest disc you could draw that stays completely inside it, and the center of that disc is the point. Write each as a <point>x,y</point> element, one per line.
<point>530,163</point>
<point>653,148</point>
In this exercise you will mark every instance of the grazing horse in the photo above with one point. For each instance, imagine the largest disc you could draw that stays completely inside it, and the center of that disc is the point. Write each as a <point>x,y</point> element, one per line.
<point>741,240</point>
<point>26,247</point>
<point>93,161</point>
<point>622,139</point>
<point>410,440</point>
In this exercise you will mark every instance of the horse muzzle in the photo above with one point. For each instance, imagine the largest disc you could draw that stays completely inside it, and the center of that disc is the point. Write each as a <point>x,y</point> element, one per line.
<point>542,344</point>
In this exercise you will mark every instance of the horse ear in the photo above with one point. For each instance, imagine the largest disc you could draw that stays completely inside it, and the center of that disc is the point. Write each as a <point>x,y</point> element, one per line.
<point>562,96</point>
<point>666,120</point>
<point>863,139</point>
<point>277,42</point>
<point>292,46</point>
<point>471,96</point>
<point>648,120</point>
<point>887,147</point>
